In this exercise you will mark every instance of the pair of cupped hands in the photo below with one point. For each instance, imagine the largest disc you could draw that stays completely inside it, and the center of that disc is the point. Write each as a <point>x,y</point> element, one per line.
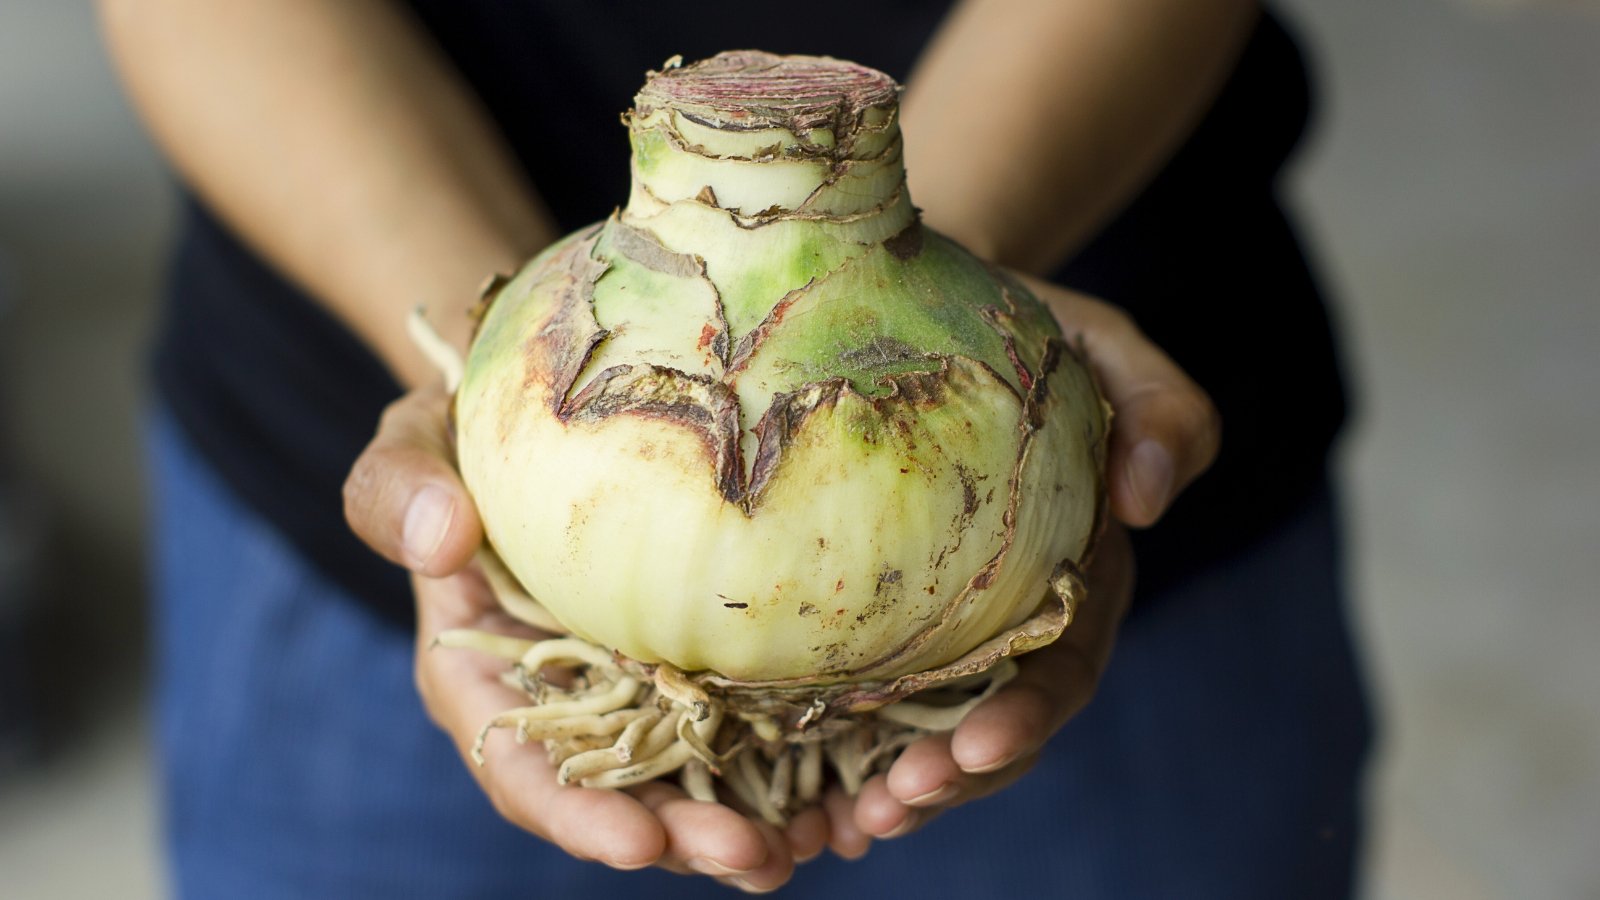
<point>405,499</point>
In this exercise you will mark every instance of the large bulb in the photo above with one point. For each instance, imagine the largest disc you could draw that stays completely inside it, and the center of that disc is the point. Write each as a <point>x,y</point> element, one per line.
<point>762,423</point>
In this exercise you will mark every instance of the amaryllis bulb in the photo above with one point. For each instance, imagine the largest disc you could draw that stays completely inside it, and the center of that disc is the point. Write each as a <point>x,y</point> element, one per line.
<point>763,424</point>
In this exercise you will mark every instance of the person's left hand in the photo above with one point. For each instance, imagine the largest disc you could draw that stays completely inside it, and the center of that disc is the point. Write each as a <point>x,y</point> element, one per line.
<point>1164,434</point>
<point>999,740</point>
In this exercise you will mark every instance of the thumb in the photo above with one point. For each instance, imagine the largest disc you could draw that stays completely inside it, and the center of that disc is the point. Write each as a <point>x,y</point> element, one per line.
<point>403,496</point>
<point>1166,434</point>
<point>1166,430</point>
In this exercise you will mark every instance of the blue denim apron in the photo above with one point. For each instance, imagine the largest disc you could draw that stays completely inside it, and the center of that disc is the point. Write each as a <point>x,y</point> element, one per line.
<point>1221,758</point>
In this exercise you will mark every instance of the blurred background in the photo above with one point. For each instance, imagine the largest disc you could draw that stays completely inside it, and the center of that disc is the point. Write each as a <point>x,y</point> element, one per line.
<point>1451,191</point>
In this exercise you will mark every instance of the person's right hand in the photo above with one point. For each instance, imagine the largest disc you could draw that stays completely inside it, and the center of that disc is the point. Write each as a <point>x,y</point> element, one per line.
<point>405,499</point>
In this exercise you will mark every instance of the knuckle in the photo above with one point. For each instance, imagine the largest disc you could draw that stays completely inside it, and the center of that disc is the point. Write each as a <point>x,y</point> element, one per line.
<point>1038,700</point>
<point>375,485</point>
<point>357,490</point>
<point>1203,421</point>
<point>393,416</point>
<point>1185,411</point>
<point>1120,320</point>
<point>1111,321</point>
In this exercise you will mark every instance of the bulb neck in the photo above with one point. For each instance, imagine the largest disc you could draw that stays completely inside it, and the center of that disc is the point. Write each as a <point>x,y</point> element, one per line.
<point>764,137</point>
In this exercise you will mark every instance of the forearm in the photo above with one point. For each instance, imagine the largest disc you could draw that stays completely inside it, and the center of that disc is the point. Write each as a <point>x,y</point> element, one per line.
<point>1029,124</point>
<point>341,145</point>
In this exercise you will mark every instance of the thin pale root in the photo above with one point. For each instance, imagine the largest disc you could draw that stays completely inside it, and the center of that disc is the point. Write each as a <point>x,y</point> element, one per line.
<point>443,356</point>
<point>696,780</point>
<point>677,687</point>
<point>782,786</point>
<point>809,779</point>
<point>588,763</point>
<point>569,650</point>
<point>513,599</point>
<point>689,734</point>
<point>498,645</point>
<point>753,772</point>
<point>634,735</point>
<point>617,696</point>
<point>609,729</point>
<point>673,757</point>
<point>844,752</point>
<point>946,718</point>
<point>666,761</point>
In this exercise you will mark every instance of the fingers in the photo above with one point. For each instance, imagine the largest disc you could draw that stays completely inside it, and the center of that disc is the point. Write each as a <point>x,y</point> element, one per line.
<point>845,837</point>
<point>877,813</point>
<point>1054,683</point>
<point>883,817</point>
<point>654,824</point>
<point>403,496</point>
<point>927,778</point>
<point>1017,720</point>
<point>924,781</point>
<point>715,840</point>
<point>462,691</point>
<point>807,833</point>
<point>607,826</point>
<point>772,874</point>
<point>1166,434</point>
<point>926,775</point>
<point>999,740</point>
<point>1166,430</point>
<point>708,838</point>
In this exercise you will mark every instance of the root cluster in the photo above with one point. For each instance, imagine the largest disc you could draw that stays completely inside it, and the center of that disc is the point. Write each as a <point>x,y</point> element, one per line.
<point>609,722</point>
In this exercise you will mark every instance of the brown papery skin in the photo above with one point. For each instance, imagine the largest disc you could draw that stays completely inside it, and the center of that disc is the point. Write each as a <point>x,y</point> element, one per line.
<point>751,89</point>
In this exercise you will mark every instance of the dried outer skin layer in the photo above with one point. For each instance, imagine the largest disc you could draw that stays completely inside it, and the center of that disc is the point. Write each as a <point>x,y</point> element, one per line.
<point>768,135</point>
<point>767,426</point>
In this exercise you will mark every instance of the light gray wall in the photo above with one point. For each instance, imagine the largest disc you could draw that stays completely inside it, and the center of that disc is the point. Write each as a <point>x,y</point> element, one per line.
<point>83,214</point>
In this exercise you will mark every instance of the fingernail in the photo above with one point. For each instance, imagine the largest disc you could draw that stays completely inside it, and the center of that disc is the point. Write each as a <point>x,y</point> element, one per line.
<point>713,868</point>
<point>904,828</point>
<point>427,520</point>
<point>749,888</point>
<point>852,856</point>
<point>1150,473</point>
<point>938,795</point>
<point>994,766</point>
<point>628,867</point>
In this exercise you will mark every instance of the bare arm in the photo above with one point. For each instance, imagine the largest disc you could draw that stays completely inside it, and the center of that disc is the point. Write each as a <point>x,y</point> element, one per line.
<point>1029,123</point>
<point>336,139</point>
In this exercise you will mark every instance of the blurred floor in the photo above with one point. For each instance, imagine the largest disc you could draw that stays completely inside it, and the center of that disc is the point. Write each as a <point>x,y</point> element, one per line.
<point>1454,196</point>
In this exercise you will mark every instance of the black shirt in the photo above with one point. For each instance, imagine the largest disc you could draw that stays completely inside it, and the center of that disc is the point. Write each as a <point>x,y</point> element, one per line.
<point>280,398</point>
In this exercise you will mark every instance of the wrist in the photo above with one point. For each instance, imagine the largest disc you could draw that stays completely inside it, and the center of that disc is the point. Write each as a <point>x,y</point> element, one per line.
<point>968,231</point>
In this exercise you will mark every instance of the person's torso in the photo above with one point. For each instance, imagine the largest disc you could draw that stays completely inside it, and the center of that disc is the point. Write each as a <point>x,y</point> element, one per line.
<point>280,398</point>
